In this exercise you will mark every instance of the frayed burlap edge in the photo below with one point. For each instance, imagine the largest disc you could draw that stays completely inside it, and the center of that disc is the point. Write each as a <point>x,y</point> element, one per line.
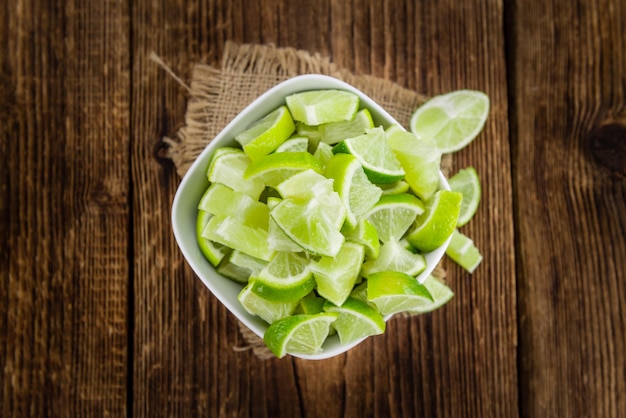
<point>217,95</point>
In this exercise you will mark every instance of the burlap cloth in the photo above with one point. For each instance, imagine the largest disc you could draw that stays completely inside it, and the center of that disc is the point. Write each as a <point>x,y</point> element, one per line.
<point>217,95</point>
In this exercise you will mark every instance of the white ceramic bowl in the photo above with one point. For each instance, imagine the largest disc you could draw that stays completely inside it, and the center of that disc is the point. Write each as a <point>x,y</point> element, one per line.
<point>193,185</point>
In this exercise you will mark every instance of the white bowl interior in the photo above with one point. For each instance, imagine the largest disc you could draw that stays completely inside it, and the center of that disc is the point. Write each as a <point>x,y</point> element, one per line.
<point>194,183</point>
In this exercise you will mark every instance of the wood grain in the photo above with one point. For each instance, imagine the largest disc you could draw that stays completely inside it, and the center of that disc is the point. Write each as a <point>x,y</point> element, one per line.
<point>101,316</point>
<point>460,361</point>
<point>569,76</point>
<point>65,213</point>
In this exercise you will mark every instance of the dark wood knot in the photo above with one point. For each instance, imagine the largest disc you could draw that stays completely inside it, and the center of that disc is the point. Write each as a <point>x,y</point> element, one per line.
<point>607,144</point>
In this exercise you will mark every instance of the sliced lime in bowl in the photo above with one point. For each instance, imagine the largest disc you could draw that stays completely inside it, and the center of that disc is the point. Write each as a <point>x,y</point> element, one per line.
<point>195,183</point>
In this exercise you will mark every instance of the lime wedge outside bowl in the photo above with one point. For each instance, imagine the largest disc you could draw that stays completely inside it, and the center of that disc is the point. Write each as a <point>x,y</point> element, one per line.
<point>194,184</point>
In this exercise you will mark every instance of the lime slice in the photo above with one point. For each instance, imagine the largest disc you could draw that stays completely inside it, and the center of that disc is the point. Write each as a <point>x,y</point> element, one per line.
<point>232,233</point>
<point>336,276</point>
<point>338,131</point>
<point>395,257</point>
<point>239,266</point>
<point>310,132</point>
<point>467,183</point>
<point>267,310</point>
<point>323,106</point>
<point>356,320</point>
<point>360,292</point>
<point>228,166</point>
<point>419,158</point>
<point>310,304</point>
<point>377,158</point>
<point>302,183</point>
<point>212,251</point>
<point>266,134</point>
<point>357,193</point>
<point>286,278</point>
<point>436,224</point>
<point>311,224</point>
<point>276,238</point>
<point>323,153</point>
<point>299,334</point>
<point>294,144</point>
<point>365,234</point>
<point>439,291</point>
<point>452,120</point>
<point>275,168</point>
<point>394,214</point>
<point>394,188</point>
<point>463,251</point>
<point>394,292</point>
<point>222,200</point>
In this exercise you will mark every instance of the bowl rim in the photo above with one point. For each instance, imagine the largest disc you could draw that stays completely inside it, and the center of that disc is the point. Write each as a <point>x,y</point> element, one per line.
<point>195,179</point>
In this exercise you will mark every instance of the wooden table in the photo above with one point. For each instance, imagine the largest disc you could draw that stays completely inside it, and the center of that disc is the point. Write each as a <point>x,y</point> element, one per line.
<point>101,316</point>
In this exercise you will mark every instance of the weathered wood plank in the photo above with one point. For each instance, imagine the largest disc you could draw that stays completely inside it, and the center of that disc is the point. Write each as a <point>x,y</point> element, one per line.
<point>64,116</point>
<point>459,361</point>
<point>568,73</point>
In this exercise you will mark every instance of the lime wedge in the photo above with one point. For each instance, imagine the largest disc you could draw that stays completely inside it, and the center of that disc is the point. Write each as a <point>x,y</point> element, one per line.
<point>232,233</point>
<point>323,106</point>
<point>394,188</point>
<point>366,235</point>
<point>395,257</point>
<point>287,278</point>
<point>267,310</point>
<point>394,292</point>
<point>311,224</point>
<point>323,153</point>
<point>356,320</point>
<point>311,132</point>
<point>228,166</point>
<point>310,304</point>
<point>212,251</point>
<point>266,134</point>
<point>338,131</point>
<point>276,238</point>
<point>299,334</point>
<point>378,160</point>
<point>419,158</point>
<point>357,193</point>
<point>222,200</point>
<point>360,292</point>
<point>393,214</point>
<point>463,251</point>
<point>467,183</point>
<point>452,120</point>
<point>294,144</point>
<point>335,276</point>
<point>302,185</point>
<point>239,266</point>
<point>441,294</point>
<point>436,224</point>
<point>275,168</point>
